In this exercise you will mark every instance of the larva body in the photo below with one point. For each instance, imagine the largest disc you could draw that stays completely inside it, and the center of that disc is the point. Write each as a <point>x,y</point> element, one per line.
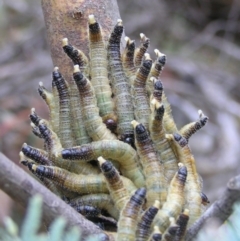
<point>116,150</point>
<point>182,222</point>
<point>120,85</point>
<point>127,223</point>
<point>152,168</point>
<point>99,71</point>
<point>94,125</point>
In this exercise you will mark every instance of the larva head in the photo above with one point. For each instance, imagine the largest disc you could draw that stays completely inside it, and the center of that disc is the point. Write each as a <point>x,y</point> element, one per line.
<point>161,58</point>
<point>78,76</point>
<point>56,74</point>
<point>156,236</point>
<point>94,27</point>
<point>205,200</point>
<point>144,40</point>
<point>42,90</point>
<point>116,34</point>
<point>157,84</point>
<point>23,160</point>
<point>159,108</point>
<point>147,62</point>
<point>140,131</point>
<point>130,45</point>
<point>88,211</point>
<point>180,139</point>
<point>34,117</point>
<point>26,150</point>
<point>111,124</point>
<point>128,138</point>
<point>106,166</point>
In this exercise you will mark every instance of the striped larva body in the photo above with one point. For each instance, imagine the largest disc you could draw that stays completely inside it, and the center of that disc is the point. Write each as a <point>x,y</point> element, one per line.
<point>188,130</point>
<point>65,130</point>
<point>94,125</point>
<point>152,168</point>
<point>141,100</point>
<point>144,225</point>
<point>193,187</point>
<point>175,199</point>
<point>128,60</point>
<point>141,50</point>
<point>115,184</point>
<point>100,200</point>
<point>99,71</point>
<point>77,56</point>
<point>120,85</point>
<point>127,224</point>
<point>116,150</point>
<point>182,222</point>
<point>161,143</point>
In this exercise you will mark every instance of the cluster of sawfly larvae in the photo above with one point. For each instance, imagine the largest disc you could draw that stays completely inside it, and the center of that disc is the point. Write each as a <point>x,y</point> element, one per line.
<point>111,147</point>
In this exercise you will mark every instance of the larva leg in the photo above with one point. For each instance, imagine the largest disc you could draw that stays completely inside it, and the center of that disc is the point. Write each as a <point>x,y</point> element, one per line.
<point>182,222</point>
<point>152,168</point>
<point>77,56</point>
<point>193,187</point>
<point>161,143</point>
<point>81,184</point>
<point>127,223</point>
<point>128,60</point>
<point>116,150</point>
<point>188,130</point>
<point>99,72</point>
<point>94,125</point>
<point>141,50</point>
<point>65,130</point>
<point>120,85</point>
<point>100,200</point>
<point>115,184</point>
<point>171,232</point>
<point>175,199</point>
<point>140,98</point>
<point>144,225</point>
<point>156,234</point>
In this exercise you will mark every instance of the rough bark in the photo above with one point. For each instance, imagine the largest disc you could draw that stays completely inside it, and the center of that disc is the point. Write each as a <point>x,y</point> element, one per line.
<point>20,186</point>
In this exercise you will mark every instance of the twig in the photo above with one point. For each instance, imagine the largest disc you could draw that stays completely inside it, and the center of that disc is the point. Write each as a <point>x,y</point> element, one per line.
<point>20,186</point>
<point>221,209</point>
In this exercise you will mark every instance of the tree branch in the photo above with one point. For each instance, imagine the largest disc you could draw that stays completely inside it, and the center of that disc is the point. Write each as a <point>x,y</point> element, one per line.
<point>220,209</point>
<point>20,186</point>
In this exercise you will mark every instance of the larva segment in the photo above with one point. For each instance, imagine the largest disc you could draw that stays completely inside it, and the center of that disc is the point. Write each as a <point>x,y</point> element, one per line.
<point>116,187</point>
<point>37,155</point>
<point>81,184</point>
<point>99,71</point>
<point>35,119</point>
<point>182,222</point>
<point>87,210</point>
<point>193,188</point>
<point>100,200</point>
<point>171,232</point>
<point>152,168</point>
<point>116,150</point>
<point>156,235</point>
<point>65,130</point>
<point>141,50</point>
<point>128,60</point>
<point>188,130</point>
<point>120,85</point>
<point>144,225</point>
<point>35,130</point>
<point>77,56</point>
<point>140,98</point>
<point>175,199</point>
<point>161,143</point>
<point>49,99</point>
<point>127,223</point>
<point>93,123</point>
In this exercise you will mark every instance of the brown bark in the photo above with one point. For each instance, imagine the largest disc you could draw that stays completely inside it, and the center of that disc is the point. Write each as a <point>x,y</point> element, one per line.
<point>20,186</point>
<point>69,19</point>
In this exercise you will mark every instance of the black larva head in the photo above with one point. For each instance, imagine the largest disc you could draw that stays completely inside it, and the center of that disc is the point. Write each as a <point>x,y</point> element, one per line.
<point>147,64</point>
<point>111,124</point>
<point>68,49</point>
<point>94,28</point>
<point>106,166</point>
<point>160,111</point>
<point>79,78</point>
<point>140,129</point>
<point>56,74</point>
<point>162,60</point>
<point>41,92</point>
<point>129,139</point>
<point>158,85</point>
<point>204,120</point>
<point>131,46</point>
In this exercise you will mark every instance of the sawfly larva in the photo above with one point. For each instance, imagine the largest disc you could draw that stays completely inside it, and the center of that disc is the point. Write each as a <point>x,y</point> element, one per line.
<point>94,125</point>
<point>182,222</point>
<point>143,229</point>
<point>65,130</point>
<point>81,184</point>
<point>100,200</point>
<point>156,235</point>
<point>175,199</point>
<point>128,60</point>
<point>141,50</point>
<point>188,130</point>
<point>99,71</point>
<point>127,224</point>
<point>141,101</point>
<point>120,85</point>
<point>77,56</point>
<point>116,150</point>
<point>116,187</point>
<point>161,143</point>
<point>152,168</point>
<point>193,187</point>
<point>171,231</point>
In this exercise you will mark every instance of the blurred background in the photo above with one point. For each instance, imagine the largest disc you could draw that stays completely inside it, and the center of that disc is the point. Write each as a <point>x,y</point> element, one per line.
<point>201,39</point>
